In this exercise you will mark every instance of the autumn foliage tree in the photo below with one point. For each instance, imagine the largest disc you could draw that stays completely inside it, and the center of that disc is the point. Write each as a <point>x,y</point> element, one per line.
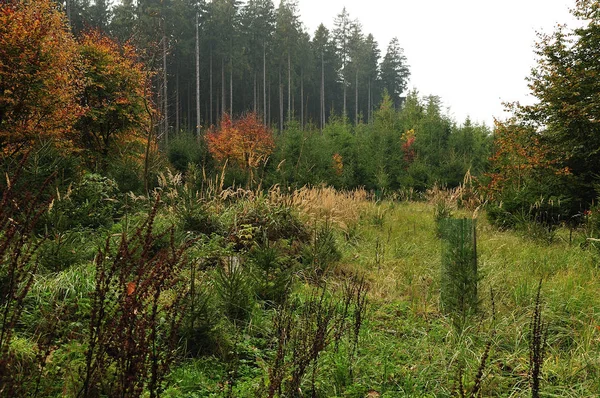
<point>520,158</point>
<point>116,98</point>
<point>527,180</point>
<point>40,74</point>
<point>245,142</point>
<point>567,85</point>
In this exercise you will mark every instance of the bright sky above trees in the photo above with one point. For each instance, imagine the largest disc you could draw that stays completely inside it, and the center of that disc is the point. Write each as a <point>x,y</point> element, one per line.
<point>474,54</point>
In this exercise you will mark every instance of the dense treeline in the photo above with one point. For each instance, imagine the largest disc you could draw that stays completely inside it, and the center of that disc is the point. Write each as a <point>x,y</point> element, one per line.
<point>414,147</point>
<point>225,56</point>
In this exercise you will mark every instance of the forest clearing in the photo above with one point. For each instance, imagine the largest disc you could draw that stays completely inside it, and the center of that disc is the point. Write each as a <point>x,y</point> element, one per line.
<point>202,199</point>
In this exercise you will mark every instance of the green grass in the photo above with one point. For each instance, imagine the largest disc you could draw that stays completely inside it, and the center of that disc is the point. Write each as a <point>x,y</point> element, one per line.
<point>409,348</point>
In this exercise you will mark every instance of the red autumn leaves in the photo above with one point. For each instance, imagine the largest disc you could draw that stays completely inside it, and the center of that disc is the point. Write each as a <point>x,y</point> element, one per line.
<point>245,142</point>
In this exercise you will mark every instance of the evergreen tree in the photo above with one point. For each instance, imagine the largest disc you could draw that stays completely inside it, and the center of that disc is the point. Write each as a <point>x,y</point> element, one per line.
<point>341,35</point>
<point>394,71</point>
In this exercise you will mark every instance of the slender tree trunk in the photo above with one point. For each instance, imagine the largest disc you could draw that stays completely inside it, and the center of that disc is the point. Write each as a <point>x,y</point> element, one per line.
<point>231,85</point>
<point>177,102</point>
<point>188,117</point>
<point>302,99</point>
<point>254,98</point>
<point>265,82</point>
<point>223,109</point>
<point>344,83</point>
<point>369,103</point>
<point>280,102</point>
<point>165,94</point>
<point>198,119</point>
<point>322,92</point>
<point>210,110</point>
<point>289,88</point>
<point>68,10</point>
<point>356,97</point>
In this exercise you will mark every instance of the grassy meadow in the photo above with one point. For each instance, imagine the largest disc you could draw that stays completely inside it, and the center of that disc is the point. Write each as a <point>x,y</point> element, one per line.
<point>315,292</point>
<point>407,347</point>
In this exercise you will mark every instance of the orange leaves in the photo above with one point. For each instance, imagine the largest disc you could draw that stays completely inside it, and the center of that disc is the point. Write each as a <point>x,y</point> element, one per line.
<point>116,93</point>
<point>408,139</point>
<point>519,156</point>
<point>245,142</point>
<point>338,164</point>
<point>40,74</point>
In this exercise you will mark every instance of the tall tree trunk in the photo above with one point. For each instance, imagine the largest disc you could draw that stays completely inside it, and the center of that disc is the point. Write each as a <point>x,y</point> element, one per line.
<point>223,110</point>
<point>369,103</point>
<point>165,94</point>
<point>302,99</point>
<point>356,97</point>
<point>231,86</point>
<point>344,83</point>
<point>280,102</point>
<point>265,82</point>
<point>177,102</point>
<point>289,115</point>
<point>188,117</point>
<point>254,96</point>
<point>322,92</point>
<point>210,110</point>
<point>198,119</point>
<point>68,10</point>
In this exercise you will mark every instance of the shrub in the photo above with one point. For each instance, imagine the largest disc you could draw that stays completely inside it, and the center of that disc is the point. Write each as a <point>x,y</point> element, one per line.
<point>459,277</point>
<point>64,250</point>
<point>235,289</point>
<point>136,306</point>
<point>90,203</point>
<point>273,270</point>
<point>184,149</point>
<point>322,251</point>
<point>266,220</point>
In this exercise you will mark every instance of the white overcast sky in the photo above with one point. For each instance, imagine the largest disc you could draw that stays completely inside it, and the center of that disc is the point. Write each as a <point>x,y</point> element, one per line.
<point>474,54</point>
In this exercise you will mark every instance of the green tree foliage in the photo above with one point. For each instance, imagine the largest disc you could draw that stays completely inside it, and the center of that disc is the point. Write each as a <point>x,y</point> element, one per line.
<point>394,70</point>
<point>565,81</point>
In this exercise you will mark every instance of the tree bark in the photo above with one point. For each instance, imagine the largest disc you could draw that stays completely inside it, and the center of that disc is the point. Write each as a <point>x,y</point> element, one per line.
<point>280,102</point>
<point>302,99</point>
<point>356,97</point>
<point>322,92</point>
<point>165,93</point>
<point>210,110</point>
<point>289,115</point>
<point>369,103</point>
<point>344,83</point>
<point>223,86</point>
<point>177,101</point>
<point>254,96</point>
<point>198,120</point>
<point>265,82</point>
